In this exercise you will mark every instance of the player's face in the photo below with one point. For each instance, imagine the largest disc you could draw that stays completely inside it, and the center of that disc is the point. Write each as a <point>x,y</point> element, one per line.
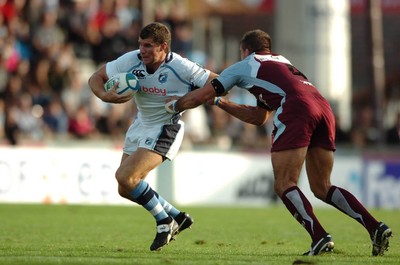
<point>153,54</point>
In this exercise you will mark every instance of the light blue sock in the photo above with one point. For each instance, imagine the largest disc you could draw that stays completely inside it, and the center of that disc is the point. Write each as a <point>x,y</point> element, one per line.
<point>169,208</point>
<point>144,195</point>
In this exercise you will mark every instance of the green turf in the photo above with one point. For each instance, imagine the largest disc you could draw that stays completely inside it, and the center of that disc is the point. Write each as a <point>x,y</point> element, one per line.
<point>72,234</point>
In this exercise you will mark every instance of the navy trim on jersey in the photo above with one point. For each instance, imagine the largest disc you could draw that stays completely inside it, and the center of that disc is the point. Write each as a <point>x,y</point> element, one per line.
<point>175,118</point>
<point>166,138</point>
<point>169,57</point>
<point>173,71</point>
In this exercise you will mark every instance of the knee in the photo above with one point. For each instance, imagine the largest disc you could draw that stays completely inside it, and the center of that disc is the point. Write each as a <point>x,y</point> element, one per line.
<point>126,181</point>
<point>280,186</point>
<point>320,192</point>
<point>122,192</point>
<point>120,177</point>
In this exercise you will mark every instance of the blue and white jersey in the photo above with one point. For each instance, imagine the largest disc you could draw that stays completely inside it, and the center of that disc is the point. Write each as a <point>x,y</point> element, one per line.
<point>176,76</point>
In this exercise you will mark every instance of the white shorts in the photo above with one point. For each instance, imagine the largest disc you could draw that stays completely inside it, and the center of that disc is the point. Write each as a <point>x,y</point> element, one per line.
<point>164,139</point>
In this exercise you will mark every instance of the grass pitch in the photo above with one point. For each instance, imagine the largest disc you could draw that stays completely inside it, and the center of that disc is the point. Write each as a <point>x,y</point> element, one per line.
<point>72,234</point>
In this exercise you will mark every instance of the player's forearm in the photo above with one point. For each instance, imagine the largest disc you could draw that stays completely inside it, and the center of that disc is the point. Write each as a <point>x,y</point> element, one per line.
<point>189,102</point>
<point>96,84</point>
<point>246,113</point>
<point>195,98</point>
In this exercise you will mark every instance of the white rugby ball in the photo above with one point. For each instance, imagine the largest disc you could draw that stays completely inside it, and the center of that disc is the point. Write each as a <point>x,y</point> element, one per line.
<point>128,83</point>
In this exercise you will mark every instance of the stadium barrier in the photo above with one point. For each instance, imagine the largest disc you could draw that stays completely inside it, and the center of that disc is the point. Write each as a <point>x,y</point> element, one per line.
<point>86,176</point>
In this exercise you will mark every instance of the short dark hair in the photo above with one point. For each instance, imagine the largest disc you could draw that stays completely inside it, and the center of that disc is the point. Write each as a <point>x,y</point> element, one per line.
<point>256,41</point>
<point>159,32</point>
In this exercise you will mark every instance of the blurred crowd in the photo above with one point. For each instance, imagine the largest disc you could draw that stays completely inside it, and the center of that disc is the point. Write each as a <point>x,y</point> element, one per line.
<point>50,47</point>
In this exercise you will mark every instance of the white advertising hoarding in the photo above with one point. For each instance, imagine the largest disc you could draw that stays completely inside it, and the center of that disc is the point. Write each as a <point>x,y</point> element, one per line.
<point>87,176</point>
<point>221,178</point>
<point>60,175</point>
<point>382,185</point>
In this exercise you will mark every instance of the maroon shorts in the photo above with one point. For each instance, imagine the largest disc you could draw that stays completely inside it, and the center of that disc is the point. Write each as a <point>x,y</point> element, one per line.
<point>304,121</point>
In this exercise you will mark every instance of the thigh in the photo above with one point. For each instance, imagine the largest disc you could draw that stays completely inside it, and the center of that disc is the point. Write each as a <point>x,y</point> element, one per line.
<point>137,166</point>
<point>287,167</point>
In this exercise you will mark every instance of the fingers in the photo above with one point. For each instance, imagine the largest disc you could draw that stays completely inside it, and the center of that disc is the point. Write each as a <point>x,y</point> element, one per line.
<point>115,86</point>
<point>113,97</point>
<point>172,98</point>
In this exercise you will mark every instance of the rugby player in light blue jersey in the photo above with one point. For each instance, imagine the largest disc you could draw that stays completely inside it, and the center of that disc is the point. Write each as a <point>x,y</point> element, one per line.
<point>154,135</point>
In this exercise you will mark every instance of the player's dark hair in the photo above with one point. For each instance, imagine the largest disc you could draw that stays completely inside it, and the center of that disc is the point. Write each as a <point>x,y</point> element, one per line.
<point>159,32</point>
<point>256,41</point>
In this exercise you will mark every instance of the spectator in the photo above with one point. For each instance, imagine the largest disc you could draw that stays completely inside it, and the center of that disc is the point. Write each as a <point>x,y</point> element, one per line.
<point>75,18</point>
<point>55,118</point>
<point>48,38</point>
<point>363,132</point>
<point>342,136</point>
<point>10,124</point>
<point>75,92</point>
<point>393,133</point>
<point>29,118</point>
<point>81,125</point>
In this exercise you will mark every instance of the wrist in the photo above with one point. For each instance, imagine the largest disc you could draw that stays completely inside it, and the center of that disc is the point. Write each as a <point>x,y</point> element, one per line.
<point>170,107</point>
<point>217,100</point>
<point>174,106</point>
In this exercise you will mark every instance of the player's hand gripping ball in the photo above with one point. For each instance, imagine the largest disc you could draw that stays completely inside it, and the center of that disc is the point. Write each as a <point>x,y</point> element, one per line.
<point>128,83</point>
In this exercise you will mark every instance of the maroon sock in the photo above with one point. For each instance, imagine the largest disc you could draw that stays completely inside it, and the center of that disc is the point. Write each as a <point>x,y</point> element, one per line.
<point>301,209</point>
<point>348,204</point>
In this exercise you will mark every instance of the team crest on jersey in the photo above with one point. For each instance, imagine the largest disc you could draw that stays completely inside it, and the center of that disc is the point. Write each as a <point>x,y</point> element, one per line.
<point>149,141</point>
<point>163,77</point>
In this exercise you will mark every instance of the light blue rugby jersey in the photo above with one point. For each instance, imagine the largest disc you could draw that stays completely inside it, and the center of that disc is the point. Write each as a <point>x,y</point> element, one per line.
<point>175,77</point>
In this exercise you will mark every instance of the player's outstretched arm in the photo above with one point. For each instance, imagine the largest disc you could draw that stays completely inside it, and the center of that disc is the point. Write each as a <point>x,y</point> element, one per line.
<point>191,100</point>
<point>250,114</point>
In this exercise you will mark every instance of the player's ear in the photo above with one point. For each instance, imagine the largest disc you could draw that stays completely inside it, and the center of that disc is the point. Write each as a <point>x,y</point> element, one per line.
<point>164,47</point>
<point>244,53</point>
